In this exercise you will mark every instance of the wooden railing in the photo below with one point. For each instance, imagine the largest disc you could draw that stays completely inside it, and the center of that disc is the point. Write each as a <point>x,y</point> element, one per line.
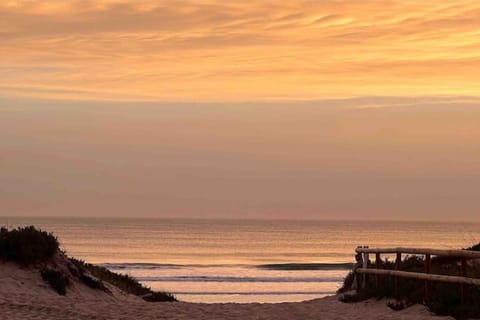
<point>462,255</point>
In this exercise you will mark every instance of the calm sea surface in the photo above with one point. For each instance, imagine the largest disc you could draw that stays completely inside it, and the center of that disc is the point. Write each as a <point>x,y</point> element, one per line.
<point>240,261</point>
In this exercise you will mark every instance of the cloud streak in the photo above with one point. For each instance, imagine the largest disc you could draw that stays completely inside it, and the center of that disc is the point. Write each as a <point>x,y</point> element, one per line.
<point>238,50</point>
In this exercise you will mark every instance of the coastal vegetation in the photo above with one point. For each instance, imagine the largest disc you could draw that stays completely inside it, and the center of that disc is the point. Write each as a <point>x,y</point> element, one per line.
<point>27,245</point>
<point>123,281</point>
<point>459,301</point>
<point>40,250</point>
<point>56,279</point>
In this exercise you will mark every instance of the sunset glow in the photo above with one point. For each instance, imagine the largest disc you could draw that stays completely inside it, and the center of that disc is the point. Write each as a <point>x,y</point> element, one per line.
<point>238,50</point>
<point>241,109</point>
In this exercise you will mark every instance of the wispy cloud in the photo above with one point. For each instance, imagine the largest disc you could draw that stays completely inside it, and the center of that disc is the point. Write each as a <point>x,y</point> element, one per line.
<point>238,50</point>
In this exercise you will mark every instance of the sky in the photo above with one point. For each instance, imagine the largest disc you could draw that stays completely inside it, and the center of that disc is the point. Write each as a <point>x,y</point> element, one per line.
<point>240,109</point>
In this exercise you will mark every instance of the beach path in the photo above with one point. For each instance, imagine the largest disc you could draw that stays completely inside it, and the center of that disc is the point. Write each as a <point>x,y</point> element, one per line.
<point>326,308</point>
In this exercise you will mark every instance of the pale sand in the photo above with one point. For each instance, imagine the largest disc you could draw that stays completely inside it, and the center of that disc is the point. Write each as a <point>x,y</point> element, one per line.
<point>23,295</point>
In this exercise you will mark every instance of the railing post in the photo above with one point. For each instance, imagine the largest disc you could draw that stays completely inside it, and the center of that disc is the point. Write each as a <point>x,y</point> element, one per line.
<point>464,274</point>
<point>357,283</point>
<point>378,260</point>
<point>365,266</point>
<point>398,263</point>
<point>428,269</point>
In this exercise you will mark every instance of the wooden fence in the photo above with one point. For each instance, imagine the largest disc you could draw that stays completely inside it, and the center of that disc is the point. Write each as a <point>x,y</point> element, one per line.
<point>461,255</point>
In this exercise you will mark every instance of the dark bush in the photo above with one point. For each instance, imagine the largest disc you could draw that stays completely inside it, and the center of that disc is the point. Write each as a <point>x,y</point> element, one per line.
<point>347,283</point>
<point>159,297</point>
<point>92,283</point>
<point>56,279</point>
<point>27,245</point>
<point>474,247</point>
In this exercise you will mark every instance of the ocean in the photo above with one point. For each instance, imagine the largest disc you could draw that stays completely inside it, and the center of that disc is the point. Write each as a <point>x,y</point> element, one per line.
<point>240,260</point>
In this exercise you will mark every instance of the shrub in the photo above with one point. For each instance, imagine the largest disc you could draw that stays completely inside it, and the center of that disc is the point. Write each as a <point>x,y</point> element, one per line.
<point>92,283</point>
<point>155,296</point>
<point>347,283</point>
<point>27,245</point>
<point>474,247</point>
<point>57,280</point>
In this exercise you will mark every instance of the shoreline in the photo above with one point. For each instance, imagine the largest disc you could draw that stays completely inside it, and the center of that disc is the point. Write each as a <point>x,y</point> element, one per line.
<point>243,283</point>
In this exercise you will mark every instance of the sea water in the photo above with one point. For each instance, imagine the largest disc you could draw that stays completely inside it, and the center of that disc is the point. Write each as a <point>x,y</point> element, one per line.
<point>240,260</point>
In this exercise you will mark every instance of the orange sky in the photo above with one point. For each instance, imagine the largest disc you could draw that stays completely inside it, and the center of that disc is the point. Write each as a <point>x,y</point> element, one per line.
<point>240,109</point>
<point>238,50</point>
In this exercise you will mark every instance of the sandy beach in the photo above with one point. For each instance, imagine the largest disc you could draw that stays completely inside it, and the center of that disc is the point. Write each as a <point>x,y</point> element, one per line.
<point>24,307</point>
<point>24,296</point>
